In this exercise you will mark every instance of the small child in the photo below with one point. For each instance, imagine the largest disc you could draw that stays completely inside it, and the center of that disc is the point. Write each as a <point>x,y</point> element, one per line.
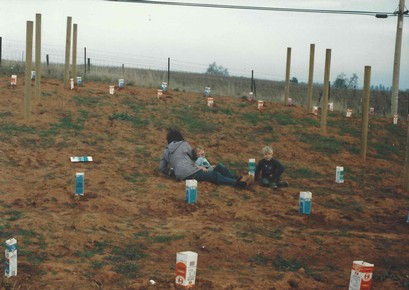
<point>270,170</point>
<point>201,161</point>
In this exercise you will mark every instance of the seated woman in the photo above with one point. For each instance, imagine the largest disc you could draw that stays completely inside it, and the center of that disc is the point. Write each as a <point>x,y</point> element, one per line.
<point>178,155</point>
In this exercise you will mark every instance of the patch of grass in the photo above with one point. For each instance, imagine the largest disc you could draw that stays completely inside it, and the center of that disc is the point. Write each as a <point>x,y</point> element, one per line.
<point>136,121</point>
<point>87,101</point>
<point>251,118</point>
<point>226,111</point>
<point>286,265</point>
<point>284,118</point>
<point>129,269</point>
<point>345,127</point>
<point>259,259</point>
<point>303,173</point>
<point>165,239</point>
<point>384,150</point>
<point>135,177</point>
<point>13,215</point>
<point>310,122</point>
<point>330,145</point>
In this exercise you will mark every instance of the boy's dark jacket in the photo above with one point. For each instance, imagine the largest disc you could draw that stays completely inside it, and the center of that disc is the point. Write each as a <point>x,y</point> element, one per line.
<point>269,169</point>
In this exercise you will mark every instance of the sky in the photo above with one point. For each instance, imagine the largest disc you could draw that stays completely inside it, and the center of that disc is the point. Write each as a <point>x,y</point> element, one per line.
<point>146,35</point>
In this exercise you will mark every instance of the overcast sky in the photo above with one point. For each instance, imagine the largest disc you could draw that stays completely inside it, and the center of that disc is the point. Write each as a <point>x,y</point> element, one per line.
<point>146,35</point>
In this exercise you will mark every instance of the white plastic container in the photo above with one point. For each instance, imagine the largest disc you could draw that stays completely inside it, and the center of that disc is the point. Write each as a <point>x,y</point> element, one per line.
<point>395,119</point>
<point>71,84</point>
<point>290,101</point>
<point>33,75</point>
<point>260,105</point>
<point>160,94</point>
<point>10,265</point>
<point>315,110</point>
<point>79,183</point>
<point>13,81</point>
<point>210,102</point>
<point>305,202</point>
<point>186,266</point>
<point>207,91</point>
<point>252,166</point>
<point>331,106</point>
<point>339,174</point>
<point>111,90</point>
<point>79,81</point>
<point>361,276</point>
<point>121,83</point>
<point>164,86</point>
<point>191,191</point>
<point>349,113</point>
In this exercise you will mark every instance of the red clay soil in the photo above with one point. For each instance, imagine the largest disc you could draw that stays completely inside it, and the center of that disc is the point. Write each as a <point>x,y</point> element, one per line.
<point>132,220</point>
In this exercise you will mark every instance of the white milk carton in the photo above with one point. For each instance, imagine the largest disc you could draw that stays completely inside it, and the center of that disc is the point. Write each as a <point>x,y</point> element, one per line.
<point>164,86</point>
<point>331,107</point>
<point>339,174</point>
<point>10,265</point>
<point>315,110</point>
<point>290,101</point>
<point>395,119</point>
<point>371,110</point>
<point>250,96</point>
<point>186,265</point>
<point>349,113</point>
<point>79,81</point>
<point>160,94</point>
<point>33,75</point>
<point>13,81</point>
<point>79,183</point>
<point>121,83</point>
<point>111,90</point>
<point>252,166</point>
<point>210,102</point>
<point>71,84</point>
<point>305,202</point>
<point>207,91</point>
<point>191,191</point>
<point>260,105</point>
<point>361,276</point>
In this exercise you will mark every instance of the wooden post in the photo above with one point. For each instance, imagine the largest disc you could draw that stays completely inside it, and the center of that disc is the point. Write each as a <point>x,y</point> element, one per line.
<point>85,61</point>
<point>89,64</point>
<point>324,109</point>
<point>168,72</point>
<point>310,78</point>
<point>123,70</point>
<point>365,111</point>
<point>252,81</point>
<point>38,58</point>
<point>406,173</point>
<point>29,60</point>
<point>67,52</point>
<point>287,77</point>
<point>47,60</point>
<point>74,52</point>
<point>397,59</point>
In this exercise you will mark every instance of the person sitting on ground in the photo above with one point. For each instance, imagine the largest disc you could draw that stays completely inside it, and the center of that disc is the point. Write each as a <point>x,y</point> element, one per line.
<point>269,170</point>
<point>178,155</point>
<point>199,156</point>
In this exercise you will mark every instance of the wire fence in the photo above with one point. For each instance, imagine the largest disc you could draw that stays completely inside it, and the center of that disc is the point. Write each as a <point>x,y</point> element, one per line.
<point>149,71</point>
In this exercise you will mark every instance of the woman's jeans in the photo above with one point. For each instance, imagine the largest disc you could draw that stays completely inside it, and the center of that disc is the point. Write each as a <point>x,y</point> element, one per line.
<point>219,175</point>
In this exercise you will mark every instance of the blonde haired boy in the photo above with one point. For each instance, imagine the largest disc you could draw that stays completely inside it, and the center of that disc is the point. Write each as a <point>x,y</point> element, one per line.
<point>269,170</point>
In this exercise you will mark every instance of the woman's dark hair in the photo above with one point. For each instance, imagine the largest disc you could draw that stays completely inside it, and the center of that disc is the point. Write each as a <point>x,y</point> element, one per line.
<point>174,136</point>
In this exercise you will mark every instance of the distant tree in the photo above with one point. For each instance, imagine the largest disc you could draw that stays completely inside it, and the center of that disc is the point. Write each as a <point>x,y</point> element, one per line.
<point>343,82</point>
<point>217,70</point>
<point>340,81</point>
<point>294,80</point>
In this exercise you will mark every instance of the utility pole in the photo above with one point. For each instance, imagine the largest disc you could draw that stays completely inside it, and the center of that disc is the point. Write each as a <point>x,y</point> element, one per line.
<point>396,62</point>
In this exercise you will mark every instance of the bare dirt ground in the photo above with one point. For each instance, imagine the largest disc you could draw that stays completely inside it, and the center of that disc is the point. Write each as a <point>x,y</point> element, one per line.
<point>131,222</point>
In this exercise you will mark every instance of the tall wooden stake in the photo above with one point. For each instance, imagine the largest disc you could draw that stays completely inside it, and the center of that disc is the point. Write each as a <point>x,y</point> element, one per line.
<point>287,77</point>
<point>38,58</point>
<point>324,109</point>
<point>365,111</point>
<point>67,52</point>
<point>29,60</point>
<point>74,52</point>
<point>310,78</point>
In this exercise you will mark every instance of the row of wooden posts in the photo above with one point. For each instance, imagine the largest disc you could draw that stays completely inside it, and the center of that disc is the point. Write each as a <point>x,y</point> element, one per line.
<point>323,123</point>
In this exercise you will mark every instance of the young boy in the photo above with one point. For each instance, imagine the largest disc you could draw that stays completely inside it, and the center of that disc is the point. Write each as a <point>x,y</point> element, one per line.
<point>270,170</point>
<point>201,161</point>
